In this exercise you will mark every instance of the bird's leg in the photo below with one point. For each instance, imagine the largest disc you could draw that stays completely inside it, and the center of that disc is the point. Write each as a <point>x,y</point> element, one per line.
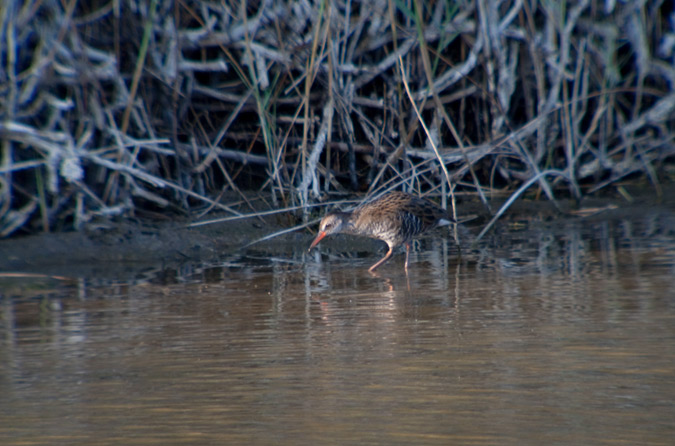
<point>407,253</point>
<point>382,260</point>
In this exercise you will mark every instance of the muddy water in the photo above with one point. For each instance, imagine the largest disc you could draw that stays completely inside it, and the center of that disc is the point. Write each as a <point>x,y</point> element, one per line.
<point>559,333</point>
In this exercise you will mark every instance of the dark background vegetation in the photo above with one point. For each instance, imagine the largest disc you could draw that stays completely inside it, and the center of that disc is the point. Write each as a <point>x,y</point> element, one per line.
<point>113,109</point>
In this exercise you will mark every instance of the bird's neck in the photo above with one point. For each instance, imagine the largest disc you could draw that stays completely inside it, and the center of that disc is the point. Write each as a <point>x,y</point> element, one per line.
<point>348,219</point>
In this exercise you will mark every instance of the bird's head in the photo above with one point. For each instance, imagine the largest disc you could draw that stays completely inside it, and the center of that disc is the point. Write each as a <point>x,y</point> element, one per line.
<point>330,224</point>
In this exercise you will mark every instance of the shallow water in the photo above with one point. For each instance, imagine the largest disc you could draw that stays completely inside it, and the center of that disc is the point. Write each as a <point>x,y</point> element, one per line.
<point>559,333</point>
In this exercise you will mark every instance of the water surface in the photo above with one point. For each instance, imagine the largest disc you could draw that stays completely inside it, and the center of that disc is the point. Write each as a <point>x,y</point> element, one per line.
<point>543,334</point>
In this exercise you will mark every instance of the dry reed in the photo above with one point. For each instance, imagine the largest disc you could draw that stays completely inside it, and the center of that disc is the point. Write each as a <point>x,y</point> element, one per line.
<point>113,108</point>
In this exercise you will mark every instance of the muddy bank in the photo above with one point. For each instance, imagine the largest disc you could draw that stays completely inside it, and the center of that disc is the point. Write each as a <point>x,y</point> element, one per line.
<point>118,247</point>
<point>128,245</point>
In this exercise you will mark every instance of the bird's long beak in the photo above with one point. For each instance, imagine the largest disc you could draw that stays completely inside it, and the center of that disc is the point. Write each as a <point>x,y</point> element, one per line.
<point>316,241</point>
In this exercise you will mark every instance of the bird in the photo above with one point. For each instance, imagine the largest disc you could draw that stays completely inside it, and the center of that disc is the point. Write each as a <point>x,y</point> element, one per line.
<point>395,218</point>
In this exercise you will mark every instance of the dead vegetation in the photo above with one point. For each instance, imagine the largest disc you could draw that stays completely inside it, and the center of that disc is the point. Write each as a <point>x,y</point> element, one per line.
<point>110,108</point>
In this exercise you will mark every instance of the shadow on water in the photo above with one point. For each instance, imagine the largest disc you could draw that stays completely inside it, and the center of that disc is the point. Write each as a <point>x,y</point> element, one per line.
<point>545,333</point>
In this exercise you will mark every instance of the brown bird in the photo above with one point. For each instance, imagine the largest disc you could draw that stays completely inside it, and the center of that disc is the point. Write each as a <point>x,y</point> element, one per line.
<point>395,218</point>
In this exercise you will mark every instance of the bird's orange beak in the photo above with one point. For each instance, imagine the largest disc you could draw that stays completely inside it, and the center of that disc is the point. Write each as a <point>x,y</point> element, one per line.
<point>318,238</point>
